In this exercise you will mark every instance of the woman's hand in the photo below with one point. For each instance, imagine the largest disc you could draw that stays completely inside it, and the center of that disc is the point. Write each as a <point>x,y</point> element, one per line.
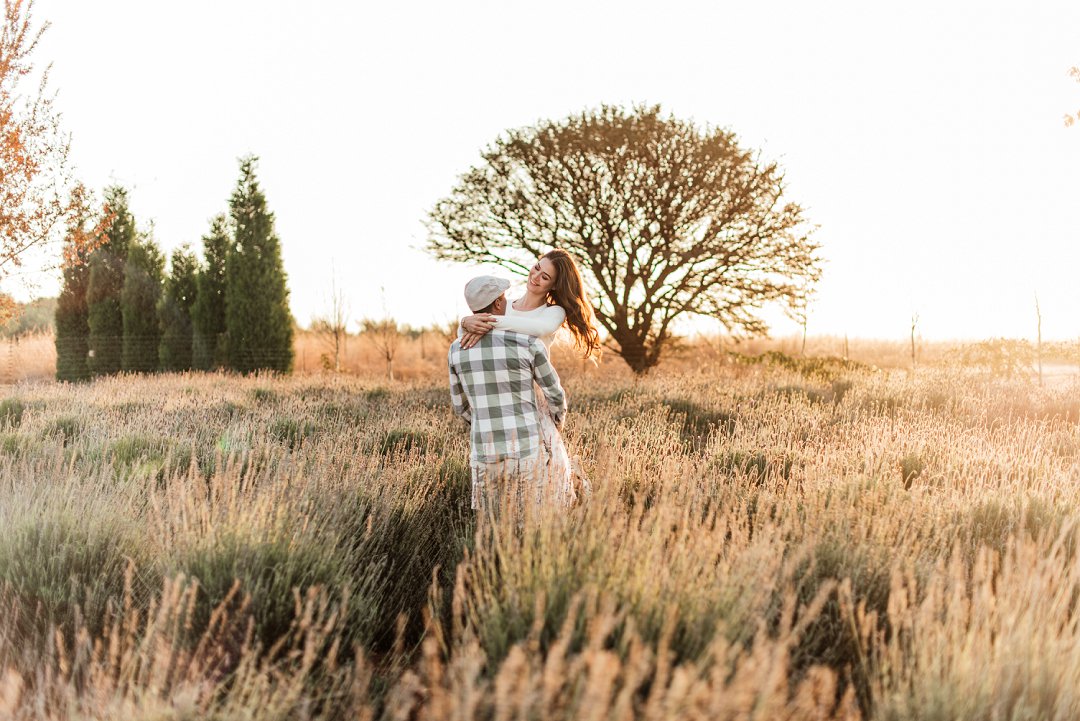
<point>479,324</point>
<point>470,339</point>
<point>475,327</point>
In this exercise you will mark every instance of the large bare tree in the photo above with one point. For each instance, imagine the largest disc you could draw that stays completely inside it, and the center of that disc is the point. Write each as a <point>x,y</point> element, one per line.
<point>664,218</point>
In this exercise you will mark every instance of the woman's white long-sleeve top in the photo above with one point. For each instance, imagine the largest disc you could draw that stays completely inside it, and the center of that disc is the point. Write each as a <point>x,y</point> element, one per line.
<point>541,322</point>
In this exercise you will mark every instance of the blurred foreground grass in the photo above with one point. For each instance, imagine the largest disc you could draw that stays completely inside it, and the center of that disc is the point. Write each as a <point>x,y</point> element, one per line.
<point>768,538</point>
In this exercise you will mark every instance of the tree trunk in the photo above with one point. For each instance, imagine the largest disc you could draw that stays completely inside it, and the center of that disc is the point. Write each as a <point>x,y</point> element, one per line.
<point>636,355</point>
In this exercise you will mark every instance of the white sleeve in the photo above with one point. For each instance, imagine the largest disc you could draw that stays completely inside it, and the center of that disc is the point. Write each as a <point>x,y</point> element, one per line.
<point>543,322</point>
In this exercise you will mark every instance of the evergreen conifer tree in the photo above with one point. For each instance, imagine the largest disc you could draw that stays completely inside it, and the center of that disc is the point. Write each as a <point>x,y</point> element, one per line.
<point>258,323</point>
<point>174,311</point>
<point>208,313</point>
<point>72,335</point>
<point>143,273</point>
<point>105,285</point>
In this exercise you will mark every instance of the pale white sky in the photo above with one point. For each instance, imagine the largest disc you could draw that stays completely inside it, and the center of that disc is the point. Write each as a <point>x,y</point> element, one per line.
<point>925,138</point>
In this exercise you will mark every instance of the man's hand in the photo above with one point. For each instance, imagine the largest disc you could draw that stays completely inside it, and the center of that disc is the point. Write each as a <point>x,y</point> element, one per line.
<point>476,326</point>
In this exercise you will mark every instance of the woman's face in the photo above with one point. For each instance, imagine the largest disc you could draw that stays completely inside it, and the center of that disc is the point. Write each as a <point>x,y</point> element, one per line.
<point>542,277</point>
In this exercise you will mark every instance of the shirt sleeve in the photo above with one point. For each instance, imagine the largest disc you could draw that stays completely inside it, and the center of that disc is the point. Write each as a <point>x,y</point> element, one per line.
<point>458,400</point>
<point>542,322</point>
<point>545,376</point>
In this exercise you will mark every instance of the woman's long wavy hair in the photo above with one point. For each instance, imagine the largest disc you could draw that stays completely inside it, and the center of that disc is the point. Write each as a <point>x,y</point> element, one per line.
<point>569,292</point>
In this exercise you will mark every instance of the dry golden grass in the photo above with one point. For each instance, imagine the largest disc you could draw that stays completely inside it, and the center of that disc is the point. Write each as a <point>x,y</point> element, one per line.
<point>768,538</point>
<point>28,358</point>
<point>421,355</point>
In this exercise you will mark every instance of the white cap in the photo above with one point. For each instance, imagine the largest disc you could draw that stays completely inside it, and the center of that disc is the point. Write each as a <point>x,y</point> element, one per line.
<point>481,291</point>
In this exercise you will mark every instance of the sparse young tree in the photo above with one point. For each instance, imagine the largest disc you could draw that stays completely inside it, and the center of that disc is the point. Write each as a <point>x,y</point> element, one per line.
<point>258,323</point>
<point>1038,339</point>
<point>800,313</point>
<point>208,312</point>
<point>34,172</point>
<point>333,327</point>
<point>385,336</point>
<point>174,311</point>
<point>143,273</point>
<point>664,218</point>
<point>914,325</point>
<point>106,284</point>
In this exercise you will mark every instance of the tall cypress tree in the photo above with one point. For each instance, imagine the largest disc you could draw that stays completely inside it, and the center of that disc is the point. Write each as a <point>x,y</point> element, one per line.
<point>258,323</point>
<point>174,311</point>
<point>208,313</point>
<point>72,324</point>
<point>138,304</point>
<point>106,284</point>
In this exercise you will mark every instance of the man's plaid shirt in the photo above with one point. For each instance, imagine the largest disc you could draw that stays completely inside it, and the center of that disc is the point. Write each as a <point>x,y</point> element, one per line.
<point>491,387</point>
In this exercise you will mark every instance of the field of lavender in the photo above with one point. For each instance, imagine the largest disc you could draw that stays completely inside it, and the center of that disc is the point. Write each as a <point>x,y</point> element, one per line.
<point>768,538</point>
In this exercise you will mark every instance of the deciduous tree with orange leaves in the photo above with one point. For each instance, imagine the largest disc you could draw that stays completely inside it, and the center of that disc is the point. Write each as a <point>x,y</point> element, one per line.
<point>1074,73</point>
<point>35,177</point>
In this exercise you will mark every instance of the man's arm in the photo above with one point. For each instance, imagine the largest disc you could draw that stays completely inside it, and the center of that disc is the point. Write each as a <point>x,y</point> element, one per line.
<point>545,376</point>
<point>458,400</point>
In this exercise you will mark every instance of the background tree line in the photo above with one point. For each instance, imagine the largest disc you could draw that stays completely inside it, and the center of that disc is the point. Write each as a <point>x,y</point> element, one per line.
<point>666,220</point>
<point>35,316</point>
<point>119,311</point>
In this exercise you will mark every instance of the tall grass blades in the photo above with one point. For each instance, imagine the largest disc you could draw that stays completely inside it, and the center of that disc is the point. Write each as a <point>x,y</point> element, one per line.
<point>767,539</point>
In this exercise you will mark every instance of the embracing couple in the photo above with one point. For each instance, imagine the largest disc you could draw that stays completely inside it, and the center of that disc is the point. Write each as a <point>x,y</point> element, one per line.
<point>502,383</point>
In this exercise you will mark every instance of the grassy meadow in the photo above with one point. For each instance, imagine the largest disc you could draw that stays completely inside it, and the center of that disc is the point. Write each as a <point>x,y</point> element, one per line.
<point>768,538</point>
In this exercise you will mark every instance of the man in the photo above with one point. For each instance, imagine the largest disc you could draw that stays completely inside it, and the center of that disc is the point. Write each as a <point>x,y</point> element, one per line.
<point>491,388</point>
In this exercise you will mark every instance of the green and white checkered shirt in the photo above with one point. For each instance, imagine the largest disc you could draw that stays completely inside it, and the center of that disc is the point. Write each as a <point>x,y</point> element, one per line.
<point>491,387</point>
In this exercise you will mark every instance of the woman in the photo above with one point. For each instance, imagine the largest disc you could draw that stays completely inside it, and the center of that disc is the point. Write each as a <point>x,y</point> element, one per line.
<point>554,297</point>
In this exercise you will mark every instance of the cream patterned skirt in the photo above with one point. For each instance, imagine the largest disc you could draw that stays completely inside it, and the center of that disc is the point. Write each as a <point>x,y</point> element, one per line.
<point>565,481</point>
<point>551,479</point>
